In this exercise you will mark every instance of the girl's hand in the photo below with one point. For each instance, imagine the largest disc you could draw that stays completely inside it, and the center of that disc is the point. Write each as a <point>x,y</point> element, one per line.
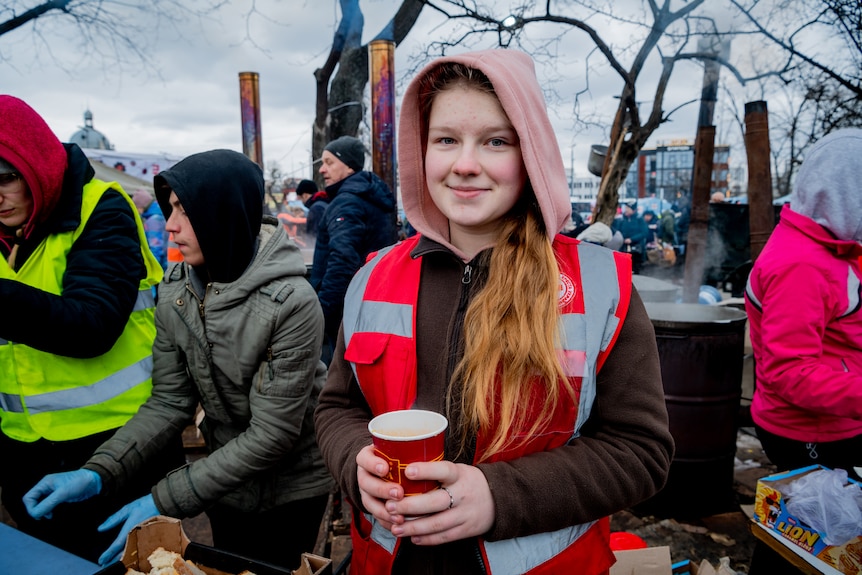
<point>374,489</point>
<point>463,507</point>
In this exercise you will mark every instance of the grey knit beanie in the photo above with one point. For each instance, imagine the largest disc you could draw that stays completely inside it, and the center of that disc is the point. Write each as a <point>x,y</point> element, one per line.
<point>349,150</point>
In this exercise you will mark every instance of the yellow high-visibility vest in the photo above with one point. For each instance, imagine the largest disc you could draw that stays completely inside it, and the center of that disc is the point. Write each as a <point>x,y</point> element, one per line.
<point>44,395</point>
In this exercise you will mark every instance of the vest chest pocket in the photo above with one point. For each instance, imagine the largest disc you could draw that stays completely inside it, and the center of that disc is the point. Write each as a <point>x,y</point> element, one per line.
<point>385,366</point>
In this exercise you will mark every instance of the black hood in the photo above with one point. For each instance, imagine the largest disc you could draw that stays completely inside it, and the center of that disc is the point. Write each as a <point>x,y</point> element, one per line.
<point>222,193</point>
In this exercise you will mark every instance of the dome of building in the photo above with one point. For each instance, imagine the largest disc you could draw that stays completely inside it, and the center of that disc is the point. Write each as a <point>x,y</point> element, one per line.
<point>90,137</point>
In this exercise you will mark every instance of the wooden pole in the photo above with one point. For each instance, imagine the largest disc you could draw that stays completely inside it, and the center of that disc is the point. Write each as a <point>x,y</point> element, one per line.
<point>761,213</point>
<point>698,229</point>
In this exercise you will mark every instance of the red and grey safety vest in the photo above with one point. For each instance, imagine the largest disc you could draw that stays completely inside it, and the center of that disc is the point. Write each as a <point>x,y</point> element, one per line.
<point>379,331</point>
<point>44,395</point>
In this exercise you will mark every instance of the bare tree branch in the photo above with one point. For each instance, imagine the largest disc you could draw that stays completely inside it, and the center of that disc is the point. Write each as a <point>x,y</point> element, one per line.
<point>789,47</point>
<point>111,31</point>
<point>663,28</point>
<point>32,14</point>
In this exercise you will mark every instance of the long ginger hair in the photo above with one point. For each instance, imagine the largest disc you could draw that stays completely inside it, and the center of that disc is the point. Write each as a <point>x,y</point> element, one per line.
<point>511,329</point>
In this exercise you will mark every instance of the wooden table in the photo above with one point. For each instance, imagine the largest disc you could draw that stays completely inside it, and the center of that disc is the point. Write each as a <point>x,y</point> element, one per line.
<point>803,561</point>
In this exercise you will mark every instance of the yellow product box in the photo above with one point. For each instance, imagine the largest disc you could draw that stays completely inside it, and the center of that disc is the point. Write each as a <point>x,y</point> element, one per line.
<point>770,510</point>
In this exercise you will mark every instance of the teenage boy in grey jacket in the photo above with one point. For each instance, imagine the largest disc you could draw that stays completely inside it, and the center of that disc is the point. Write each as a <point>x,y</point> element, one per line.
<point>238,331</point>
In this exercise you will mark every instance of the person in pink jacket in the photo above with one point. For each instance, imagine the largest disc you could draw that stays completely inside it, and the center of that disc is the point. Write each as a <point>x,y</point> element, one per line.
<point>803,304</point>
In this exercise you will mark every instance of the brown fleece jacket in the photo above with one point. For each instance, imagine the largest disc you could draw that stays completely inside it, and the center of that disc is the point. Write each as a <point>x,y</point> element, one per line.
<point>621,458</point>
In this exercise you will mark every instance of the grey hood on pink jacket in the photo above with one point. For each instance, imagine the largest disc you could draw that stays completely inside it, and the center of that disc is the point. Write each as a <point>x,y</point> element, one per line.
<point>828,184</point>
<point>514,79</point>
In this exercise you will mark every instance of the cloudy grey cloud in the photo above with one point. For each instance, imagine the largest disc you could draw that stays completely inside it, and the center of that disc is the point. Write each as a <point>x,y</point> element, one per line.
<point>188,101</point>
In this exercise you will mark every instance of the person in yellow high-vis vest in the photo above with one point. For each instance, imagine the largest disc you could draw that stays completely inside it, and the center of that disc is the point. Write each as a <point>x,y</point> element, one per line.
<point>239,332</point>
<point>77,331</point>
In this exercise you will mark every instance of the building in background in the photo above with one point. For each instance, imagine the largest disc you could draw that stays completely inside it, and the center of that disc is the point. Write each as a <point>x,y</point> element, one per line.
<point>666,172</point>
<point>660,178</point>
<point>90,137</point>
<point>583,188</point>
<point>583,191</point>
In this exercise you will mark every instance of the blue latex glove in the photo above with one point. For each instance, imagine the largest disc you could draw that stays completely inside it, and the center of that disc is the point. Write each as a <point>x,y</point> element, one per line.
<point>56,488</point>
<point>132,514</point>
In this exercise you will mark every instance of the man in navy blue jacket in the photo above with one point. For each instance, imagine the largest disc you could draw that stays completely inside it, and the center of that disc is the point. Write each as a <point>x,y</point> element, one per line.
<point>359,220</point>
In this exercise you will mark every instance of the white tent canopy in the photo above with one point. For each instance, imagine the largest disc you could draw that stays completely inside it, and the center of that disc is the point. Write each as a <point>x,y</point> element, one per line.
<point>128,182</point>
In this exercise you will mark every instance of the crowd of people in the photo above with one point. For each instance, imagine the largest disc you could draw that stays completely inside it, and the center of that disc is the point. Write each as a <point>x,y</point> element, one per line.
<point>531,339</point>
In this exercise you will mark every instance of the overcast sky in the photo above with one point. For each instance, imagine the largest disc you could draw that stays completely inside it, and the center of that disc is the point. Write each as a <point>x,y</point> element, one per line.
<point>189,102</point>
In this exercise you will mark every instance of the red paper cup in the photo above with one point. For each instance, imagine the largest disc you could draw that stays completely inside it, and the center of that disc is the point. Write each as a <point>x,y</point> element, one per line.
<point>405,437</point>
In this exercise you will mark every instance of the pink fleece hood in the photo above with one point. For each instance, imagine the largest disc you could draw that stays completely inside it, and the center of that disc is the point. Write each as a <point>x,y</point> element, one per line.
<point>514,79</point>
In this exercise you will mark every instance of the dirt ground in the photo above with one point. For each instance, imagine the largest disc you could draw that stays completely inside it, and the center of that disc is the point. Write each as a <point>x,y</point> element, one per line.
<point>724,534</point>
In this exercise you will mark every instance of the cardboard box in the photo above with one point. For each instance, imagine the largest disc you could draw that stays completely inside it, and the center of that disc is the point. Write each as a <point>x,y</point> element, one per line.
<point>770,510</point>
<point>649,561</point>
<point>168,532</point>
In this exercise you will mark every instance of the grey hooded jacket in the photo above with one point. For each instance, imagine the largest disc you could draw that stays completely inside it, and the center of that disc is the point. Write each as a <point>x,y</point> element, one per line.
<point>249,353</point>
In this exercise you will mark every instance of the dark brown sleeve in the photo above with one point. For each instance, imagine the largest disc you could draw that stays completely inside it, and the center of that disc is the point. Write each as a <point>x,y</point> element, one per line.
<point>621,458</point>
<point>341,422</point>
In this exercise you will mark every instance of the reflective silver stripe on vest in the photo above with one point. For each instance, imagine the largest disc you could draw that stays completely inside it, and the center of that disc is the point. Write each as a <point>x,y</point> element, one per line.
<point>99,392</point>
<point>355,307</point>
<point>520,554</point>
<point>852,292</point>
<point>145,300</point>
<point>384,317</point>
<point>600,287</point>
<point>10,403</point>
<point>509,556</point>
<point>353,298</point>
<point>381,535</point>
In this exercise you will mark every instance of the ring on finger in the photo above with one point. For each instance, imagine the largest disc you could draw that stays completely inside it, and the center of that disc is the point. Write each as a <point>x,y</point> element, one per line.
<point>451,499</point>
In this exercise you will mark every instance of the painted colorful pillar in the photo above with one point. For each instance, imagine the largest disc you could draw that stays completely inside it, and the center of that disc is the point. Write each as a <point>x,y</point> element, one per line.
<point>381,56</point>
<point>249,101</point>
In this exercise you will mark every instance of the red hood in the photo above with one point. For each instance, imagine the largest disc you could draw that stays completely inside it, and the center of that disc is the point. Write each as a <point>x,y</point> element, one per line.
<point>28,143</point>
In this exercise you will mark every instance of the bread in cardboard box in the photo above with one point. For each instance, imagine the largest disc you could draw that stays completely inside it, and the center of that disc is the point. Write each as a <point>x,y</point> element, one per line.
<point>163,562</point>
